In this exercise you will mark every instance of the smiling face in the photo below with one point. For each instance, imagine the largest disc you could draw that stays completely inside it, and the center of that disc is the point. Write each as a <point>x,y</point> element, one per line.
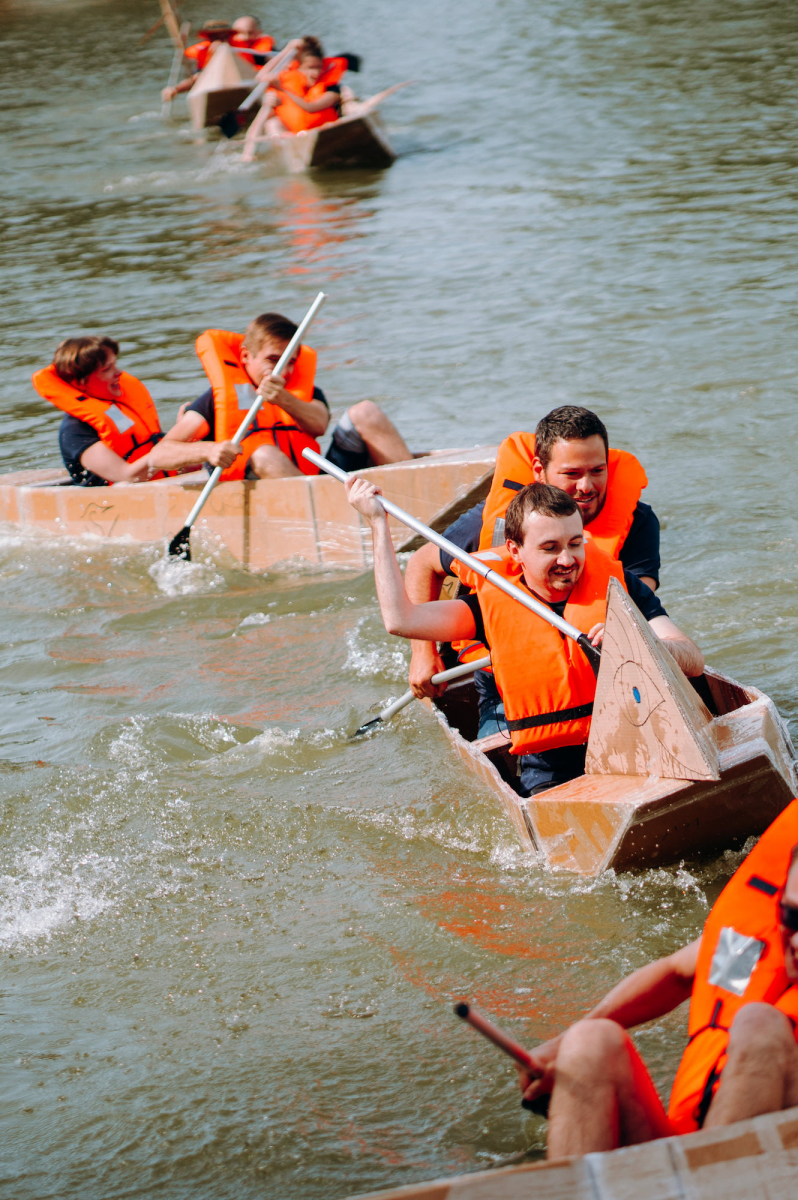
<point>579,467</point>
<point>789,938</point>
<point>311,67</point>
<point>263,363</point>
<point>552,555</point>
<point>103,383</point>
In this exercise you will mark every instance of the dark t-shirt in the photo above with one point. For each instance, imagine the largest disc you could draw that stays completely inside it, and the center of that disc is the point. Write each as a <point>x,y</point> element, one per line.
<point>74,438</point>
<point>645,600</point>
<point>639,553</point>
<point>204,406</point>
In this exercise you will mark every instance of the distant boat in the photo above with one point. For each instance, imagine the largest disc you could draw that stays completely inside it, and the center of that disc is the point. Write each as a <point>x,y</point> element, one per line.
<point>357,139</point>
<point>668,776</point>
<point>220,87</point>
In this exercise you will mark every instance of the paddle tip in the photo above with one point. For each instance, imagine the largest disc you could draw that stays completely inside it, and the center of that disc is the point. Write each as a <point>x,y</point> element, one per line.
<point>180,545</point>
<point>462,1010</point>
<point>365,728</point>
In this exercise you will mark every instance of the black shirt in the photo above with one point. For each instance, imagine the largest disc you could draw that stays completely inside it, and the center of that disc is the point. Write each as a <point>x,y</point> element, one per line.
<point>646,601</point>
<point>639,553</point>
<point>204,406</point>
<point>74,438</point>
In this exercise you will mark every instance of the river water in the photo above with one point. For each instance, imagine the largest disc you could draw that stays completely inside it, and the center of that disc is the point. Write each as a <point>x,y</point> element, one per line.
<point>230,938</point>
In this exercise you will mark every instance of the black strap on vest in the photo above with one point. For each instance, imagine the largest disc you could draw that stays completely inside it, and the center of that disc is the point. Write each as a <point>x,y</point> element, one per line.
<point>762,885</point>
<point>513,486</point>
<point>552,718</point>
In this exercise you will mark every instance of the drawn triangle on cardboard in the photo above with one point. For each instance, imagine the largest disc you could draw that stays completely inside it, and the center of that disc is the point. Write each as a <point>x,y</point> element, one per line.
<point>647,719</point>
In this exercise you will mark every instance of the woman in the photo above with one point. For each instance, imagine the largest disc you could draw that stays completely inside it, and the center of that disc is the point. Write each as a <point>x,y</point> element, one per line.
<point>110,431</point>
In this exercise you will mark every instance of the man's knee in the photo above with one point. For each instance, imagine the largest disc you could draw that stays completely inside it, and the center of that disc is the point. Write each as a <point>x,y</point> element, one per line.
<point>268,461</point>
<point>366,417</point>
<point>591,1047</point>
<point>760,1027</point>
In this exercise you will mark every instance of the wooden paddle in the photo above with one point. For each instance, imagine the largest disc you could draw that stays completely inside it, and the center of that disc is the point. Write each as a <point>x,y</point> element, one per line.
<point>408,697</point>
<point>174,74</point>
<point>180,545</point>
<point>540,609</point>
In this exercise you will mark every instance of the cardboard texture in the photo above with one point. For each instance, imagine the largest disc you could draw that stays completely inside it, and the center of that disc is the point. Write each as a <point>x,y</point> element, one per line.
<point>647,718</point>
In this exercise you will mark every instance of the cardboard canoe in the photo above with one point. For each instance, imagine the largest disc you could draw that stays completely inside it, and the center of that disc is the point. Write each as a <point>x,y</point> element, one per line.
<point>220,87</point>
<point>260,523</point>
<point>746,1161</point>
<point>357,140</point>
<point>665,778</point>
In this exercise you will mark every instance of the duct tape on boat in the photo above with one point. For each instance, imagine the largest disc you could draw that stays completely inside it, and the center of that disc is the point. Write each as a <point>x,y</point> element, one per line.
<point>734,960</point>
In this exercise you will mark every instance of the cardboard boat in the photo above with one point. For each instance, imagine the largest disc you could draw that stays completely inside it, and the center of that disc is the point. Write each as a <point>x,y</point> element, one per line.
<point>260,522</point>
<point>358,139</point>
<point>666,777</point>
<point>744,1161</point>
<point>220,87</point>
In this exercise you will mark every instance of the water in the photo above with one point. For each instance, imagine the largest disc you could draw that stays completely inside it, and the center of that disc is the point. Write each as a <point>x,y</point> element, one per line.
<point>231,938</point>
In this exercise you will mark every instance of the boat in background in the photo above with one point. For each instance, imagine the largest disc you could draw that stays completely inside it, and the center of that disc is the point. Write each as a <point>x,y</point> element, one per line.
<point>667,775</point>
<point>261,522</point>
<point>357,139</point>
<point>220,87</point>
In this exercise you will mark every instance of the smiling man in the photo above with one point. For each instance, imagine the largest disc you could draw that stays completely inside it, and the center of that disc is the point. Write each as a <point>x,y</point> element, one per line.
<point>543,678</point>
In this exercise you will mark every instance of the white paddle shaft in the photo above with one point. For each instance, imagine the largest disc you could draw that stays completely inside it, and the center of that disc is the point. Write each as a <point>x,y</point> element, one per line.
<point>468,560</point>
<point>441,677</point>
<point>238,437</point>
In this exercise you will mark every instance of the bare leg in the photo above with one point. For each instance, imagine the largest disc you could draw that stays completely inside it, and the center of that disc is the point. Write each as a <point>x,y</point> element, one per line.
<point>384,441</point>
<point>603,1096</point>
<point>254,131</point>
<point>270,463</point>
<point>761,1073</point>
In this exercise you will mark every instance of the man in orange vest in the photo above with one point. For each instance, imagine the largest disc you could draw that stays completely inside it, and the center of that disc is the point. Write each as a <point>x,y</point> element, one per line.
<point>544,679</point>
<point>741,977</point>
<point>569,449</point>
<point>363,437</point>
<point>245,33</point>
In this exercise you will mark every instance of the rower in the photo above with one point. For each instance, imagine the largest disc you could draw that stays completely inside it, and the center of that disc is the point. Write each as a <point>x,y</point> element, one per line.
<point>249,35</point>
<point>295,411</point>
<point>570,450</point>
<point>110,432</point>
<point>305,97</point>
<point>211,34</point>
<point>545,681</point>
<point>741,977</point>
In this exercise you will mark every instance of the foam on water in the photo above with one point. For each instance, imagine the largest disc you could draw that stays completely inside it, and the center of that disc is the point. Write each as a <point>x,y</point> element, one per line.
<point>368,655</point>
<point>176,577</point>
<point>47,890</point>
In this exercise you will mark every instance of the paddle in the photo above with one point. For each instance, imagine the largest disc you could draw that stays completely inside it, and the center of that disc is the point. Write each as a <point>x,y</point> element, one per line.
<point>180,545</point>
<point>536,606</point>
<point>174,74</point>
<point>228,123</point>
<point>403,701</point>
<point>509,1046</point>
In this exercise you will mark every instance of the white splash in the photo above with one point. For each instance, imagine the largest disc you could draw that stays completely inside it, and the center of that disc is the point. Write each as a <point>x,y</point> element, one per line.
<point>176,577</point>
<point>376,659</point>
<point>256,618</point>
<point>44,894</point>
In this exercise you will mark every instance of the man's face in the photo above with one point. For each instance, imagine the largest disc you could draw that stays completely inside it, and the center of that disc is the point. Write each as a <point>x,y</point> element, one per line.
<point>246,27</point>
<point>263,363</point>
<point>312,68</point>
<point>788,938</point>
<point>552,555</point>
<point>580,468</point>
<point>103,383</point>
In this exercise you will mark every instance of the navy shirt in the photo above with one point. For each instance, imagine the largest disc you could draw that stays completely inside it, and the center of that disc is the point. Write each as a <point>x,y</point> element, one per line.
<point>74,438</point>
<point>204,406</point>
<point>639,553</point>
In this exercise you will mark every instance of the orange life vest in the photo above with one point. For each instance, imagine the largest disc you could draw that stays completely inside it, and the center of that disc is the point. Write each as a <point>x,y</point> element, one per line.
<point>200,52</point>
<point>293,80</point>
<point>545,680</point>
<point>258,45</point>
<point>514,470</point>
<point>233,394</point>
<point>742,954</point>
<point>135,403</point>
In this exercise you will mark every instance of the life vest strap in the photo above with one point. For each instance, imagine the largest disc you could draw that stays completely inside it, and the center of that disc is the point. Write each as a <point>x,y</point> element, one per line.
<point>552,718</point>
<point>513,486</point>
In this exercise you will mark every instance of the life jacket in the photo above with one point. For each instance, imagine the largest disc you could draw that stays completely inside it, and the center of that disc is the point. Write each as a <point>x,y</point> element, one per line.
<point>741,960</point>
<point>547,684</point>
<point>233,394</point>
<point>200,52</point>
<point>135,403</point>
<point>514,470</point>
<point>258,45</point>
<point>293,80</point>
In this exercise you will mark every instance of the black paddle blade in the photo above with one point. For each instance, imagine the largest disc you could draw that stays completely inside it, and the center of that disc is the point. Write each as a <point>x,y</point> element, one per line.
<point>229,124</point>
<point>539,1106</point>
<point>365,728</point>
<point>180,545</point>
<point>592,655</point>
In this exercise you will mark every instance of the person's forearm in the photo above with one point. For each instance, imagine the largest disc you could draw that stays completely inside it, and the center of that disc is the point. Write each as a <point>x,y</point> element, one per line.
<point>644,995</point>
<point>328,100</point>
<point>441,621</point>
<point>311,416</point>
<point>169,455</point>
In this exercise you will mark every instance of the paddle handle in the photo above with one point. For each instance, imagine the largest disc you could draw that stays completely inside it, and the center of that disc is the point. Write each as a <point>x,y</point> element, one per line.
<point>497,1036</point>
<point>468,560</point>
<point>238,436</point>
<point>441,677</point>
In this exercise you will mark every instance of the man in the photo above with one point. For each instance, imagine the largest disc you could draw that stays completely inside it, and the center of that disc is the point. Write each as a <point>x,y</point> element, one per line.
<point>249,35</point>
<point>544,679</point>
<point>570,450</point>
<point>295,412</point>
<point>211,34</point>
<point>110,432</point>
<point>741,976</point>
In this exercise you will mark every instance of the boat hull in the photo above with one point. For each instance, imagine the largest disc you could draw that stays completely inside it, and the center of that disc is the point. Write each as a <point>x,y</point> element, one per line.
<point>260,523</point>
<point>357,141</point>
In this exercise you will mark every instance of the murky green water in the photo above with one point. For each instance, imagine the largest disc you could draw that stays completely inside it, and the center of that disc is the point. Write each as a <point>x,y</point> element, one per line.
<point>230,938</point>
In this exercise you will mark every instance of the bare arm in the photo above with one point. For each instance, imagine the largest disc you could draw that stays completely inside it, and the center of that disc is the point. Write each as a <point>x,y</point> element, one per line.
<point>679,645</point>
<point>103,461</point>
<point>423,577</point>
<point>442,620</point>
<point>183,446</point>
<point>311,416</point>
<point>328,100</point>
<point>646,994</point>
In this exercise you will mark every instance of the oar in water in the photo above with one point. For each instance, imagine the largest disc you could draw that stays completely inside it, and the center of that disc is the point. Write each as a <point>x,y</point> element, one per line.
<point>509,1046</point>
<point>403,701</point>
<point>174,74</point>
<point>180,545</point>
<point>475,564</point>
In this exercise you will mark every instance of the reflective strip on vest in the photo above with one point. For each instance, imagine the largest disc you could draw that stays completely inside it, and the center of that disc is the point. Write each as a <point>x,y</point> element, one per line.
<point>734,960</point>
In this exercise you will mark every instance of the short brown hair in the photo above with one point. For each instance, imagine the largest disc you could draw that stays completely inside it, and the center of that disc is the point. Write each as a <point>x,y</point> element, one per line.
<point>264,328</point>
<point>76,358</point>
<point>536,498</point>
<point>567,424</point>
<point>310,48</point>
